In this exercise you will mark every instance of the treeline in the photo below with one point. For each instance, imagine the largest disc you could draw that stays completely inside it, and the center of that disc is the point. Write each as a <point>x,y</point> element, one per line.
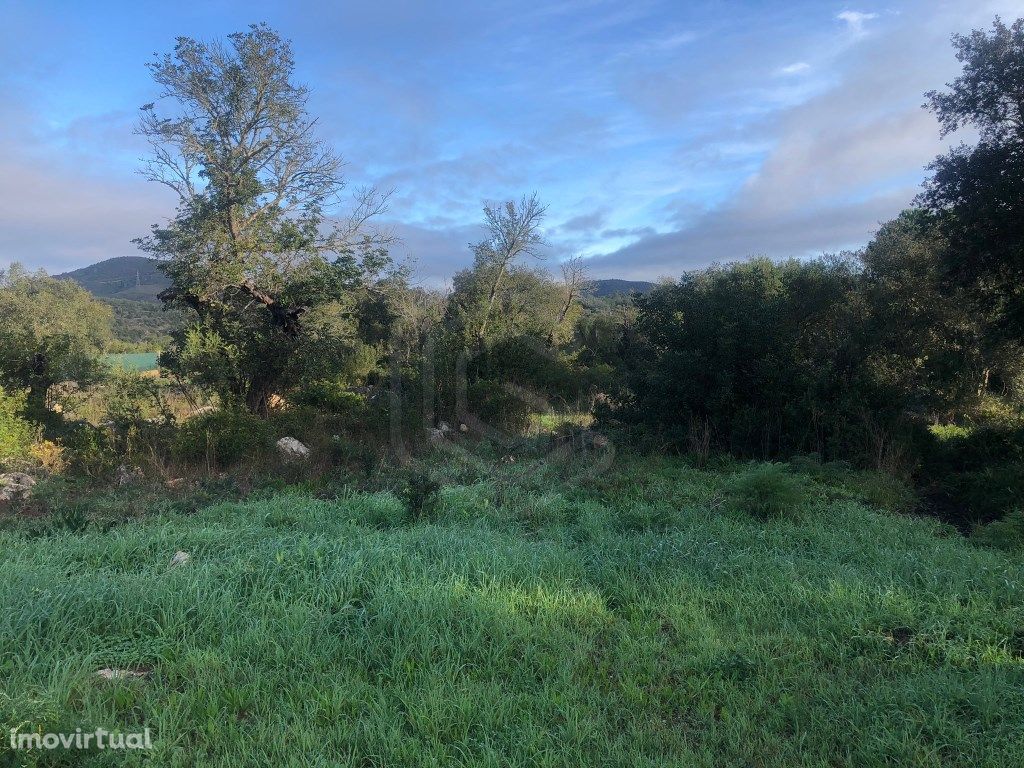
<point>906,356</point>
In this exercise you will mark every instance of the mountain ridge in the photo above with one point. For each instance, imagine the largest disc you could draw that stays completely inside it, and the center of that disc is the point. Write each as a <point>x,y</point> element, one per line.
<point>137,278</point>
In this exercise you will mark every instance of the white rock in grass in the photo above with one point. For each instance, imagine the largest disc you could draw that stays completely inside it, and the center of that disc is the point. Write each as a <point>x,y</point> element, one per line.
<point>108,673</point>
<point>15,485</point>
<point>180,558</point>
<point>290,449</point>
<point>442,431</point>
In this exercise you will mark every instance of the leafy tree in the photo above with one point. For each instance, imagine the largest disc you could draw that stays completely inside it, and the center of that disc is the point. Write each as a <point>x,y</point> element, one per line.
<point>758,354</point>
<point>925,344</point>
<point>53,331</point>
<point>979,191</point>
<point>276,287</point>
<point>513,231</point>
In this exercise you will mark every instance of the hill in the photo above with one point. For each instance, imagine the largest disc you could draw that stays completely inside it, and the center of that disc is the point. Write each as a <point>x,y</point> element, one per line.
<point>131,278</point>
<point>614,287</point>
<point>136,278</point>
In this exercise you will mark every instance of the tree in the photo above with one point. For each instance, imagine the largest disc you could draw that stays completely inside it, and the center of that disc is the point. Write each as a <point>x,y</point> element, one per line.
<point>978,191</point>
<point>760,356</point>
<point>54,331</point>
<point>574,283</point>
<point>513,231</point>
<point>274,285</point>
<point>925,343</point>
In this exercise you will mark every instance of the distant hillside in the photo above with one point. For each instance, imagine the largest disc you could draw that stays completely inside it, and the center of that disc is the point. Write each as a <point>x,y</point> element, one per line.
<point>131,278</point>
<point>616,287</point>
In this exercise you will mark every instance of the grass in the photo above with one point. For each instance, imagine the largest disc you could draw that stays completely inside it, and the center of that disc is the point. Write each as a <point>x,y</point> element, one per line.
<point>133,361</point>
<point>637,619</point>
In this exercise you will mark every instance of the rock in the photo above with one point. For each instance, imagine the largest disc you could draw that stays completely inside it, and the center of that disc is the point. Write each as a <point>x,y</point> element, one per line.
<point>180,558</point>
<point>108,673</point>
<point>15,485</point>
<point>125,475</point>
<point>440,433</point>
<point>291,450</point>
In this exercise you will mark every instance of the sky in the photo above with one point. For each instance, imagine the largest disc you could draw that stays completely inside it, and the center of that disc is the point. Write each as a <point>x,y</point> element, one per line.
<point>663,135</point>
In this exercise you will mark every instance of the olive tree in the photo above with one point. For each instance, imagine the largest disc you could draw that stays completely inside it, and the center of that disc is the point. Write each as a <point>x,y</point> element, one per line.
<point>53,331</point>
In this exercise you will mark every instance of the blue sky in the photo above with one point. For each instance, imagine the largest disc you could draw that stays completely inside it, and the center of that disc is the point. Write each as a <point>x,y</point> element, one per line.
<point>662,135</point>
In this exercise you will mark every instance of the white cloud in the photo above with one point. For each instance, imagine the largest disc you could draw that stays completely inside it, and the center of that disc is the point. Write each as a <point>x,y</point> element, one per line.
<point>855,20</point>
<point>796,68</point>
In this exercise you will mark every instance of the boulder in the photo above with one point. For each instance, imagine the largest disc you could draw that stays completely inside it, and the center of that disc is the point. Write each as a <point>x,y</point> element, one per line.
<point>442,431</point>
<point>15,485</point>
<point>291,450</point>
<point>180,558</point>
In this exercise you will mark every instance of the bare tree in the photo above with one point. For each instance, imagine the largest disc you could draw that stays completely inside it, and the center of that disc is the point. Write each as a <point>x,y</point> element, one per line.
<point>514,231</point>
<point>574,282</point>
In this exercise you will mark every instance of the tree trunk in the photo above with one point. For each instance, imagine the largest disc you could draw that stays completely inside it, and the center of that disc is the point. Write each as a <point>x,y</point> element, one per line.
<point>257,400</point>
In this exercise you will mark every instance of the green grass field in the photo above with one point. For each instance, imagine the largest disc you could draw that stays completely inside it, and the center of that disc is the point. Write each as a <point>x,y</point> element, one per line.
<point>133,361</point>
<point>637,619</point>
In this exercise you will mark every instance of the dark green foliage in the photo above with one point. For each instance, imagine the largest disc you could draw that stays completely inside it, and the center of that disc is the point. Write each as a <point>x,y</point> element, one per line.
<point>768,491</point>
<point>974,474</point>
<point>758,352</point>
<point>331,397</point>
<point>143,326</point>
<point>223,438</point>
<point>979,191</point>
<point>421,494</point>
<point>52,331</point>
<point>1007,534</point>
<point>16,434</point>
<point>499,405</point>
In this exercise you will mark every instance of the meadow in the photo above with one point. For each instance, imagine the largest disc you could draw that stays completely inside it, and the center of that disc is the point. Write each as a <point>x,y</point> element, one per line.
<point>649,614</point>
<point>133,361</point>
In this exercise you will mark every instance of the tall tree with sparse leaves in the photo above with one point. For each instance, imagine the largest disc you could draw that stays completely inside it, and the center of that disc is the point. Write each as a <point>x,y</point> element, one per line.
<point>275,284</point>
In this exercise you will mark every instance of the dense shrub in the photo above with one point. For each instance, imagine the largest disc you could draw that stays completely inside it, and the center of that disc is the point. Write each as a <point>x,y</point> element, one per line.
<point>1007,533</point>
<point>975,474</point>
<point>499,405</point>
<point>223,438</point>
<point>421,494</point>
<point>332,396</point>
<point>16,434</point>
<point>768,491</point>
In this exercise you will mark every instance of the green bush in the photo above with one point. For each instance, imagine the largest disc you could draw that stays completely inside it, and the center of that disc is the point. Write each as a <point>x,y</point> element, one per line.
<point>329,396</point>
<point>421,494</point>
<point>498,406</point>
<point>16,434</point>
<point>768,491</point>
<point>1007,534</point>
<point>89,451</point>
<point>223,438</point>
<point>988,493</point>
